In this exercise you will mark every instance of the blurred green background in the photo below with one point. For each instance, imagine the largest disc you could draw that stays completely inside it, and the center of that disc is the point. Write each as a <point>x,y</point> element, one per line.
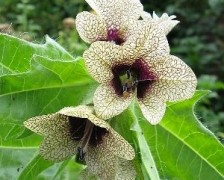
<point>198,39</point>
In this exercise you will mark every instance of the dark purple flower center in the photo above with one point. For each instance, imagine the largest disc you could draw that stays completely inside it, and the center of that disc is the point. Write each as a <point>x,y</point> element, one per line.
<point>130,78</point>
<point>114,36</point>
<point>83,130</point>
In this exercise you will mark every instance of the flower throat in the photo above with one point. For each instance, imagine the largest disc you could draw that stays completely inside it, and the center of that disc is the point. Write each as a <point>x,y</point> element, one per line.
<point>129,83</point>
<point>128,79</point>
<point>87,133</point>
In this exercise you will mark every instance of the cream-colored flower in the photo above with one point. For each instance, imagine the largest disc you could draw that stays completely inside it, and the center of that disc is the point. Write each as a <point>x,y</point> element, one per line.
<point>166,22</point>
<point>76,130</point>
<point>113,20</point>
<point>141,68</point>
<point>124,171</point>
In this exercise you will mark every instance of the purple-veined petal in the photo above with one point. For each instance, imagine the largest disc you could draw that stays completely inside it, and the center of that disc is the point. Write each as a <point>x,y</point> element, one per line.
<point>152,108</point>
<point>117,12</point>
<point>57,144</point>
<point>58,147</point>
<point>107,104</point>
<point>175,79</point>
<point>90,27</point>
<point>80,111</point>
<point>119,146</point>
<point>101,162</point>
<point>100,58</point>
<point>149,40</point>
<point>46,124</point>
<point>125,170</point>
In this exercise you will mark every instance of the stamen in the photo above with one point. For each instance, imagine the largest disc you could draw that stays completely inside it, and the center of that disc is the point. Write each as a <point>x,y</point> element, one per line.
<point>85,139</point>
<point>137,77</point>
<point>129,83</point>
<point>125,87</point>
<point>80,154</point>
<point>76,135</point>
<point>77,126</point>
<point>83,130</point>
<point>128,74</point>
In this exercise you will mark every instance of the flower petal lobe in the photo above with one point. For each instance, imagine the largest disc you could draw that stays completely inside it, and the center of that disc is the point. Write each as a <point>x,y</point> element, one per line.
<point>176,81</point>
<point>46,124</point>
<point>90,27</point>
<point>119,146</point>
<point>106,102</point>
<point>58,147</point>
<point>152,109</point>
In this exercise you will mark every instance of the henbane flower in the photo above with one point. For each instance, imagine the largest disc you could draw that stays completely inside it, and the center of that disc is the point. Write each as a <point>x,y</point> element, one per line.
<point>141,69</point>
<point>76,130</point>
<point>113,20</point>
<point>166,22</point>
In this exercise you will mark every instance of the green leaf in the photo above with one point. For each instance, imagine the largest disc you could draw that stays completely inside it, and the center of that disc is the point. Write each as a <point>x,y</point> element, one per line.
<point>38,168</point>
<point>34,168</point>
<point>68,170</point>
<point>180,145</point>
<point>13,162</point>
<point>34,80</point>
<point>16,54</point>
<point>46,88</point>
<point>9,137</point>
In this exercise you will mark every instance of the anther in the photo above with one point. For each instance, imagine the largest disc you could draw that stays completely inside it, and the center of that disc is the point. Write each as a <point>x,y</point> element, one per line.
<point>128,74</point>
<point>80,154</point>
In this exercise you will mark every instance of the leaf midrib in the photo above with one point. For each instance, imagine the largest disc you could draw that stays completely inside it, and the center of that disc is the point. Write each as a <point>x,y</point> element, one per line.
<point>81,83</point>
<point>191,148</point>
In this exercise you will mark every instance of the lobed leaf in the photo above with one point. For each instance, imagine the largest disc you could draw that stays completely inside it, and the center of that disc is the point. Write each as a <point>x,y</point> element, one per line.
<point>16,54</point>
